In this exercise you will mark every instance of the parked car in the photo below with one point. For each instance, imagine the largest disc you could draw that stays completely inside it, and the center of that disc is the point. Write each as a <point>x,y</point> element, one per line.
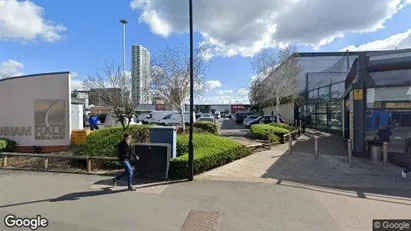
<point>264,120</point>
<point>250,119</point>
<point>206,119</point>
<point>240,116</point>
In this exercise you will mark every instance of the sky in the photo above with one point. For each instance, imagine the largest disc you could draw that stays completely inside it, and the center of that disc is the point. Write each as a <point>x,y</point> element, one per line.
<point>42,36</point>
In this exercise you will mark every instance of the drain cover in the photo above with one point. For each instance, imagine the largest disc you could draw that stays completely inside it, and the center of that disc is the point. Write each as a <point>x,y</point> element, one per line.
<point>201,221</point>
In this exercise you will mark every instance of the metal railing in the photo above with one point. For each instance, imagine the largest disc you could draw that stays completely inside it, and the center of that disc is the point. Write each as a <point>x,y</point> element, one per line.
<point>89,159</point>
<point>290,139</point>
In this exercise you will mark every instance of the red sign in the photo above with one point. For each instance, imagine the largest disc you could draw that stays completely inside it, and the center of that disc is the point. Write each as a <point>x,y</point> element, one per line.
<point>159,107</point>
<point>235,108</point>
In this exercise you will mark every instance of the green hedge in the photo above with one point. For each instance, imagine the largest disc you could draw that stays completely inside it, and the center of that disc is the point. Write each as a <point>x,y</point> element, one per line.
<point>282,125</point>
<point>210,151</point>
<point>203,126</point>
<point>11,146</point>
<point>3,144</point>
<point>102,142</point>
<point>261,131</point>
<point>200,127</point>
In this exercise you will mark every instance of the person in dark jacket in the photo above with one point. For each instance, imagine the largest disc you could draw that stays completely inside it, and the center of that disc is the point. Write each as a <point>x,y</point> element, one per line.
<point>124,153</point>
<point>383,135</point>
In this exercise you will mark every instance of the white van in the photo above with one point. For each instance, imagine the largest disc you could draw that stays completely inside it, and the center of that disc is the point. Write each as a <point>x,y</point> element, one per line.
<point>175,119</point>
<point>155,116</point>
<point>217,115</point>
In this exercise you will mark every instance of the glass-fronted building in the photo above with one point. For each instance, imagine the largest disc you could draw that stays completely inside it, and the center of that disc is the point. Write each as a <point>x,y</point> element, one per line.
<point>378,96</point>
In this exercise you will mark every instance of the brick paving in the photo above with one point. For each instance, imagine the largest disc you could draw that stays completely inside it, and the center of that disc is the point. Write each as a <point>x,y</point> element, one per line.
<point>332,170</point>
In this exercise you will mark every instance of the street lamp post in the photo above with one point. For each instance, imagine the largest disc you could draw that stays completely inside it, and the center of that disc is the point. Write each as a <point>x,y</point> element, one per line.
<point>190,142</point>
<point>124,22</point>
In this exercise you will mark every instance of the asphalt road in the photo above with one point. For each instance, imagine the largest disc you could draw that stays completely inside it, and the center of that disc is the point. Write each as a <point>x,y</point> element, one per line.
<point>230,128</point>
<point>72,202</point>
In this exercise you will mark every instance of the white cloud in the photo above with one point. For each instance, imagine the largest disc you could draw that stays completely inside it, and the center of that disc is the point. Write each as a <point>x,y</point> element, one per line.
<point>212,84</point>
<point>224,92</point>
<point>74,74</point>
<point>225,97</point>
<point>232,28</point>
<point>243,91</point>
<point>23,21</point>
<point>399,41</point>
<point>77,84</point>
<point>11,68</point>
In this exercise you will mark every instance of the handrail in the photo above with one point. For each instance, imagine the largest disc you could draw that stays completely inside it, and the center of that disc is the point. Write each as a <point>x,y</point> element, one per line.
<point>292,132</point>
<point>46,157</point>
<point>57,156</point>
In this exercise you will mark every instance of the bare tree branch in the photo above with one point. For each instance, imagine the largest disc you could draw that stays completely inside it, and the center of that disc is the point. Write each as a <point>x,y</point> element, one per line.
<point>170,76</point>
<point>280,71</point>
<point>112,87</point>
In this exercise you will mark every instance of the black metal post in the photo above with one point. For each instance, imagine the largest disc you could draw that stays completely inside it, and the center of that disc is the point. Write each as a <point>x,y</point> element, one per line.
<point>190,142</point>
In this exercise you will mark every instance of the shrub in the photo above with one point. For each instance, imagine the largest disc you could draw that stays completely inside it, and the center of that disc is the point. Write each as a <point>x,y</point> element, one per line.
<point>11,146</point>
<point>203,126</point>
<point>282,125</point>
<point>102,142</point>
<point>261,131</point>
<point>210,151</point>
<point>200,127</point>
<point>3,144</point>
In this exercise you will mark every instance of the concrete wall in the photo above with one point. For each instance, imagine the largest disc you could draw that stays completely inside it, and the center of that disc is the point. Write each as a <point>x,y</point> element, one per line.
<point>286,111</point>
<point>35,110</point>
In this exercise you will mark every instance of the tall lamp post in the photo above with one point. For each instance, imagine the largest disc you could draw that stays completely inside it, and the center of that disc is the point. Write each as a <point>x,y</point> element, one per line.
<point>190,142</point>
<point>124,22</point>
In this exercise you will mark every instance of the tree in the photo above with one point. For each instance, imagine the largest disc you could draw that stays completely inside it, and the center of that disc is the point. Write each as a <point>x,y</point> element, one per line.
<point>170,76</point>
<point>112,87</point>
<point>280,72</point>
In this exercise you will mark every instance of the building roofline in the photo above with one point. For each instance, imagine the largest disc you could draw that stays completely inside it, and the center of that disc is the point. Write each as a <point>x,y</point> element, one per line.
<point>34,75</point>
<point>344,53</point>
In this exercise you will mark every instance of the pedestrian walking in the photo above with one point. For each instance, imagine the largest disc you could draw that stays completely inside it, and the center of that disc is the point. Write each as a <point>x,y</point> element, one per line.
<point>405,172</point>
<point>93,122</point>
<point>124,153</point>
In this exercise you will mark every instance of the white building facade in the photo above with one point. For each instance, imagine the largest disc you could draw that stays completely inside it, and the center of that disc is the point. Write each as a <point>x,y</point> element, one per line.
<point>140,74</point>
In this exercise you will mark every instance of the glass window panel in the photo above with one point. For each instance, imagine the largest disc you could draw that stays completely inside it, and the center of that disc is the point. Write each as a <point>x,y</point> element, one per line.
<point>386,78</point>
<point>322,120</point>
<point>337,91</point>
<point>396,122</point>
<point>322,108</point>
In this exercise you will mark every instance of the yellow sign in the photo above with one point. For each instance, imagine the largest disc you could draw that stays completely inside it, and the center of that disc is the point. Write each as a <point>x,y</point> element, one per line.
<point>398,105</point>
<point>358,94</point>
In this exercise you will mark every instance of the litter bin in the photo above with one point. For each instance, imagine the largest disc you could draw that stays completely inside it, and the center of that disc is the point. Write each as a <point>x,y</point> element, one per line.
<point>376,154</point>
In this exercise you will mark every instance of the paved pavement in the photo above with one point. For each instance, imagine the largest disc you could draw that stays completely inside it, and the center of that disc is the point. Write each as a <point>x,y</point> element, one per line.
<point>301,167</point>
<point>82,202</point>
<point>265,191</point>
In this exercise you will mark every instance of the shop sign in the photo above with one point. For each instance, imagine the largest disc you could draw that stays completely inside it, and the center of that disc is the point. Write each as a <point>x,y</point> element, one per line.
<point>398,105</point>
<point>358,94</point>
<point>160,107</point>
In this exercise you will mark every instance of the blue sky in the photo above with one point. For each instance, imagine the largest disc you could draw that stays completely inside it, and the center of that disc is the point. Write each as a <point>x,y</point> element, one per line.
<point>76,36</point>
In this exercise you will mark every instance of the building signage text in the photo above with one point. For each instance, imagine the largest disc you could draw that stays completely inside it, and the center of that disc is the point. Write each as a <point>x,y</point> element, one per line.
<point>50,132</point>
<point>15,131</point>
